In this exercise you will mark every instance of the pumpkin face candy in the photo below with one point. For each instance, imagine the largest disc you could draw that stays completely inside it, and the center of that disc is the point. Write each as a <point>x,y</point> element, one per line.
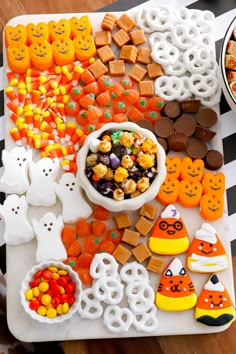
<point>59,30</point>
<point>15,36</point>
<point>84,47</point>
<point>169,191</point>
<point>37,33</point>
<point>169,235</point>
<point>213,184</point>
<point>175,291</point>
<point>41,55</point>
<point>211,206</point>
<point>190,194</point>
<point>206,253</point>
<point>214,305</point>
<point>63,52</point>
<point>192,171</point>
<point>173,167</point>
<point>18,58</point>
<point>80,26</point>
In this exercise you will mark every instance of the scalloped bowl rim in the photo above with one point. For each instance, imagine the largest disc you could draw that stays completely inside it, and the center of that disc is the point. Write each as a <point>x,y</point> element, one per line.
<point>126,204</point>
<point>29,276</point>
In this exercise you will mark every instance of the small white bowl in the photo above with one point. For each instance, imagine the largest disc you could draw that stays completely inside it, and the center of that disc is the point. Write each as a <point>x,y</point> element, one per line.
<point>77,294</point>
<point>222,70</point>
<point>126,204</point>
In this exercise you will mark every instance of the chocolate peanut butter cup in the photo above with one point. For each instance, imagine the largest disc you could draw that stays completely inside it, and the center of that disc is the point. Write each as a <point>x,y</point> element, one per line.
<point>172,110</point>
<point>214,160</point>
<point>144,123</point>
<point>177,141</point>
<point>204,134</point>
<point>196,149</point>
<point>190,106</point>
<point>206,117</point>
<point>163,127</point>
<point>163,143</point>
<point>185,124</point>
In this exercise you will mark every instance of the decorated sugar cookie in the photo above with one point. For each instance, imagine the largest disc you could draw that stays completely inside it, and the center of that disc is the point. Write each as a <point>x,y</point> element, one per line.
<point>15,175</point>
<point>15,36</point>
<point>49,243</point>
<point>169,235</point>
<point>175,291</point>
<point>80,26</point>
<point>192,170</point>
<point>169,191</point>
<point>17,228</point>
<point>214,305</point>
<point>206,253</point>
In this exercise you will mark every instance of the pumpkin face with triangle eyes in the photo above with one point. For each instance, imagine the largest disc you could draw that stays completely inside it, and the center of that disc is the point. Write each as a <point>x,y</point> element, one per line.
<point>168,192</point>
<point>59,30</point>
<point>80,26</point>
<point>41,55</point>
<point>192,170</point>
<point>63,52</point>
<point>15,36</point>
<point>213,184</point>
<point>190,194</point>
<point>84,47</point>
<point>37,33</point>
<point>173,167</point>
<point>18,58</point>
<point>211,207</point>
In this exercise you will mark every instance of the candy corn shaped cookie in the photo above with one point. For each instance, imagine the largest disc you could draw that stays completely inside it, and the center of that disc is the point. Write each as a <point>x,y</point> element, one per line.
<point>59,30</point>
<point>169,235</point>
<point>214,305</point>
<point>41,55</point>
<point>175,291</point>
<point>80,26</point>
<point>84,47</point>
<point>63,52</point>
<point>37,33</point>
<point>15,36</point>
<point>18,58</point>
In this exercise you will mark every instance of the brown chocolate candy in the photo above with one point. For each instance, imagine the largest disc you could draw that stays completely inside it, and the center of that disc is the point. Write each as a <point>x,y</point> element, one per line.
<point>163,143</point>
<point>190,106</point>
<point>204,134</point>
<point>144,123</point>
<point>196,149</point>
<point>214,160</point>
<point>206,117</point>
<point>185,124</point>
<point>172,110</point>
<point>177,141</point>
<point>163,127</point>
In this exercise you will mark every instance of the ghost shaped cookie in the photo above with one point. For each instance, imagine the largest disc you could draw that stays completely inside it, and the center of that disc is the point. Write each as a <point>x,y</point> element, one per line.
<point>48,234</point>
<point>15,175</point>
<point>42,174</point>
<point>14,213</point>
<point>74,205</point>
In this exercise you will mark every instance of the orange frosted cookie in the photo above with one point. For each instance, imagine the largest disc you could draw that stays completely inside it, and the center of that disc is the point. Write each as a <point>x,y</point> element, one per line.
<point>213,184</point>
<point>190,194</point>
<point>15,36</point>
<point>59,30</point>
<point>84,47</point>
<point>206,253</point>
<point>80,26</point>
<point>173,167</point>
<point>192,170</point>
<point>63,51</point>
<point>37,33</point>
<point>169,191</point>
<point>41,55</point>
<point>211,206</point>
<point>18,58</point>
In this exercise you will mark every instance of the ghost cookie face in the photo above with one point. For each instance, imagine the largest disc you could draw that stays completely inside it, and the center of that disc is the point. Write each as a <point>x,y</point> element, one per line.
<point>17,228</point>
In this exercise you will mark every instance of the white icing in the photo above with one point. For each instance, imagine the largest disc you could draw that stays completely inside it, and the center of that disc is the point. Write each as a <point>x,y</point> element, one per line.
<point>175,267</point>
<point>170,212</point>
<point>207,263</point>
<point>93,146</point>
<point>207,233</point>
<point>214,287</point>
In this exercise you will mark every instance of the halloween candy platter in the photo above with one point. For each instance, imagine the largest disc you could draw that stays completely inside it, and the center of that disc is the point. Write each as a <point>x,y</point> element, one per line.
<point>115,215</point>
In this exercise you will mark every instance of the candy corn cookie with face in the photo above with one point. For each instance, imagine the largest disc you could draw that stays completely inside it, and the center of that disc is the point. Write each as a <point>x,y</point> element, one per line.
<point>214,305</point>
<point>18,58</point>
<point>80,26</point>
<point>59,30</point>
<point>206,253</point>
<point>37,33</point>
<point>169,235</point>
<point>63,52</point>
<point>175,291</point>
<point>169,191</point>
<point>41,55</point>
<point>15,36</point>
<point>192,171</point>
<point>84,47</point>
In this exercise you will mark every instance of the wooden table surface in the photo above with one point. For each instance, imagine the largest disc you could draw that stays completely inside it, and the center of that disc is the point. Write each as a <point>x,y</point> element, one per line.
<point>224,342</point>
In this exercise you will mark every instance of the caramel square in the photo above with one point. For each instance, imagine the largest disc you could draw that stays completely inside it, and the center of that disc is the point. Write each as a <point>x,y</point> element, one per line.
<point>146,88</point>
<point>137,73</point>
<point>129,53</point>
<point>125,22</point>
<point>122,220</point>
<point>105,54</point>
<point>102,38</point>
<point>117,67</point>
<point>148,210</point>
<point>130,237</point>
<point>143,226</point>
<point>137,37</point>
<point>154,70</point>
<point>98,68</point>
<point>141,252</point>
<point>144,56</point>
<point>108,22</point>
<point>122,254</point>
<point>155,264</point>
<point>121,37</point>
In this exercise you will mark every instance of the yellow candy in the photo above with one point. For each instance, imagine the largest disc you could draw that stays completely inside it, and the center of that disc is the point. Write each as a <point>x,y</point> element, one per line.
<point>42,310</point>
<point>53,269</point>
<point>36,291</point>
<point>65,307</point>
<point>145,161</point>
<point>62,290</point>
<point>59,309</point>
<point>46,299</point>
<point>43,286</point>
<point>55,276</point>
<point>29,295</point>
<point>51,313</point>
<point>62,272</point>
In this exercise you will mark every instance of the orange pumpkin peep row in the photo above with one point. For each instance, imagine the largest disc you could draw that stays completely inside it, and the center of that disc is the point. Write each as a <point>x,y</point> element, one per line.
<point>211,207</point>
<point>192,170</point>
<point>169,191</point>
<point>213,184</point>
<point>173,167</point>
<point>190,194</point>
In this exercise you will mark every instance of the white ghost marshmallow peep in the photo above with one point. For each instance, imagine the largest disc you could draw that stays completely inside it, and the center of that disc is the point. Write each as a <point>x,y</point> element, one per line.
<point>42,174</point>
<point>74,205</point>
<point>17,228</point>
<point>15,175</point>
<point>48,234</point>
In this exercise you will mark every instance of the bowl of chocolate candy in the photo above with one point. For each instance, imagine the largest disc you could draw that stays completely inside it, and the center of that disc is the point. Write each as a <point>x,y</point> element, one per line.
<point>121,166</point>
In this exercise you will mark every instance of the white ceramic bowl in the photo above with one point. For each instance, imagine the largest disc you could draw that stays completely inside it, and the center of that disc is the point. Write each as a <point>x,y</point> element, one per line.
<point>222,71</point>
<point>126,204</point>
<point>25,286</point>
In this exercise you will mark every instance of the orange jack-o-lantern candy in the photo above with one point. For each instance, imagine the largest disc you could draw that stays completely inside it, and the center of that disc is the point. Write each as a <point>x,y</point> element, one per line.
<point>192,170</point>
<point>80,26</point>
<point>15,36</point>
<point>214,305</point>
<point>190,194</point>
<point>206,253</point>
<point>173,167</point>
<point>59,30</point>
<point>213,184</point>
<point>175,291</point>
<point>211,207</point>
<point>18,58</point>
<point>37,33</point>
<point>84,47</point>
<point>41,55</point>
<point>169,235</point>
<point>63,52</point>
<point>169,191</point>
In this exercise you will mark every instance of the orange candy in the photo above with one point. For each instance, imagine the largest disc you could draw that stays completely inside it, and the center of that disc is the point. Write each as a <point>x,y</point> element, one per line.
<point>86,77</point>
<point>68,234</point>
<point>84,47</point>
<point>15,36</point>
<point>91,244</point>
<point>101,213</point>
<point>73,249</point>
<point>63,51</point>
<point>104,99</point>
<point>92,88</point>
<point>120,118</point>
<point>131,96</point>
<point>41,55</point>
<point>37,33</point>
<point>98,228</point>
<point>59,30</point>
<point>106,117</point>
<point>93,113</point>
<point>83,227</point>
<point>190,194</point>
<point>211,207</point>
<point>104,82</point>
<point>107,246</point>
<point>80,26</point>
<point>85,277</point>
<point>169,191</point>
<point>192,170</point>
<point>85,259</point>
<point>134,114</point>
<point>213,184</point>
<point>18,58</point>
<point>87,100</point>
<point>173,167</point>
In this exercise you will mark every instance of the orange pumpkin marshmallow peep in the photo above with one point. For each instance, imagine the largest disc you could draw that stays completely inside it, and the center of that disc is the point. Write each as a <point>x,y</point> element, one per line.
<point>41,55</point>
<point>169,191</point>
<point>214,305</point>
<point>190,194</point>
<point>192,170</point>
<point>169,235</point>
<point>213,184</point>
<point>37,33</point>
<point>15,36</point>
<point>173,167</point>
<point>18,58</point>
<point>175,291</point>
<point>59,30</point>
<point>84,47</point>
<point>211,207</point>
<point>206,253</point>
<point>63,52</point>
<point>80,26</point>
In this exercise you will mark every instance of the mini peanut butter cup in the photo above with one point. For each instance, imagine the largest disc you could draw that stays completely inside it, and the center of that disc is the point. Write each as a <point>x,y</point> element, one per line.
<point>172,110</point>
<point>177,141</point>
<point>206,117</point>
<point>185,124</point>
<point>163,143</point>
<point>144,123</point>
<point>163,127</point>
<point>190,106</point>
<point>196,149</point>
<point>204,134</point>
<point>214,160</point>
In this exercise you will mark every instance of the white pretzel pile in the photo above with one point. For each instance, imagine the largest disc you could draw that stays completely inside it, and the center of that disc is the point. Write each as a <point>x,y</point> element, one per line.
<point>89,307</point>
<point>108,290</point>
<point>196,59</point>
<point>169,87</point>
<point>156,37</point>
<point>185,36</point>
<point>117,319</point>
<point>133,271</point>
<point>147,322</point>
<point>140,297</point>
<point>103,264</point>
<point>164,53</point>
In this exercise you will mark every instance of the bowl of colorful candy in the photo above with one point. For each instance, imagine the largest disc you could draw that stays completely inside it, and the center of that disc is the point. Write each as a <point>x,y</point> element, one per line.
<point>121,166</point>
<point>228,65</point>
<point>50,292</point>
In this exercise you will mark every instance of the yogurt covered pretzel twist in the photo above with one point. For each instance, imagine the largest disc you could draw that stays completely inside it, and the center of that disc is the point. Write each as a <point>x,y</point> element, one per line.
<point>109,290</point>
<point>146,322</point>
<point>133,271</point>
<point>164,54</point>
<point>89,306</point>
<point>103,264</point>
<point>140,297</point>
<point>116,319</point>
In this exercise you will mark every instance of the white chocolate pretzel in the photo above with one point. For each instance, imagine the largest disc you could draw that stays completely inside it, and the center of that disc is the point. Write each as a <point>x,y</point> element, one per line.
<point>89,306</point>
<point>103,264</point>
<point>116,319</point>
<point>196,59</point>
<point>203,86</point>
<point>185,36</point>
<point>108,290</point>
<point>169,88</point>
<point>133,271</point>
<point>164,54</point>
<point>146,322</point>
<point>140,297</point>
<point>141,21</point>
